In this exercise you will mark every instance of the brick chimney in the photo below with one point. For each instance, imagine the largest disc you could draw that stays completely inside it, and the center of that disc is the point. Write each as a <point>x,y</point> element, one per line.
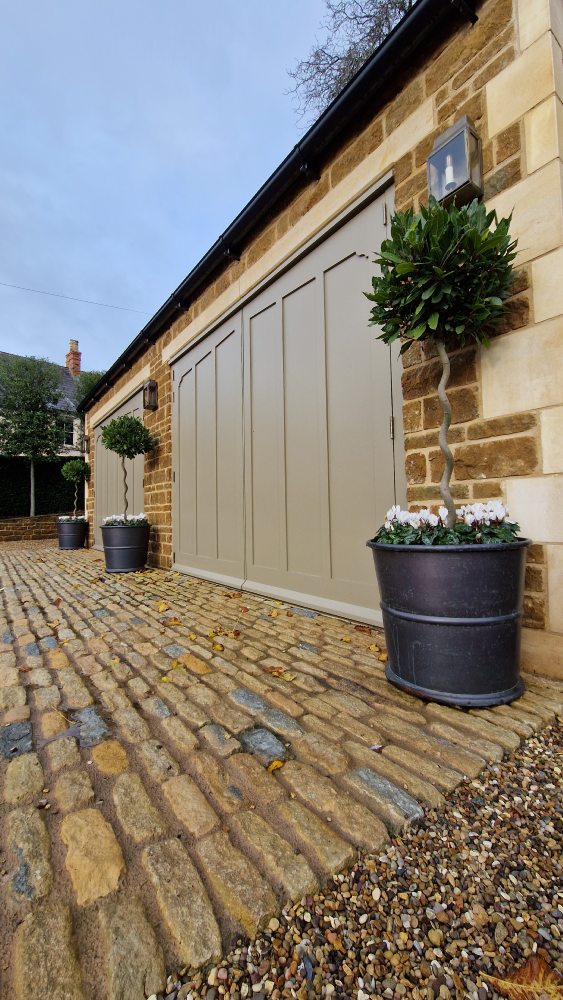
<point>73,358</point>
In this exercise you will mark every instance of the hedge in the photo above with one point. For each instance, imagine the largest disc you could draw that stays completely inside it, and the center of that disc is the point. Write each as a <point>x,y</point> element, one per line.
<point>53,494</point>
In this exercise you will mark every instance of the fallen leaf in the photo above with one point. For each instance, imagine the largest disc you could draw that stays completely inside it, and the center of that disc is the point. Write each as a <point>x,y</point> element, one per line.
<point>274,613</point>
<point>244,609</point>
<point>114,659</point>
<point>275,765</point>
<point>162,606</point>
<point>218,647</point>
<point>383,657</point>
<point>211,635</point>
<point>171,621</point>
<point>57,601</point>
<point>287,676</point>
<point>279,604</point>
<point>192,636</point>
<point>289,614</point>
<point>54,624</point>
<point>234,634</point>
<point>363,628</point>
<point>373,648</point>
<point>534,979</point>
<point>345,638</point>
<point>195,664</point>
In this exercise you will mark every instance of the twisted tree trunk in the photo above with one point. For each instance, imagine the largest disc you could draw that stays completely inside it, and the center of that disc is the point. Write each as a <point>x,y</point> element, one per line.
<point>124,486</point>
<point>443,436</point>
<point>75,497</point>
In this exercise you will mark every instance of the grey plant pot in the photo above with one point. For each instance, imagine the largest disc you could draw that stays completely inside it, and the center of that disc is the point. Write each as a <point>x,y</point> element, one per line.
<point>452,616</point>
<point>125,547</point>
<point>72,534</point>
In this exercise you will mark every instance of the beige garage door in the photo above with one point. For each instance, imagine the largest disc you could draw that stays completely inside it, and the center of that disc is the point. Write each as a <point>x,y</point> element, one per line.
<point>284,455</point>
<point>108,479</point>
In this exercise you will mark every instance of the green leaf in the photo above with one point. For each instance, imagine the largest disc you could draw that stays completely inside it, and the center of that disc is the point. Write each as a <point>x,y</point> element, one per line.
<point>433,321</point>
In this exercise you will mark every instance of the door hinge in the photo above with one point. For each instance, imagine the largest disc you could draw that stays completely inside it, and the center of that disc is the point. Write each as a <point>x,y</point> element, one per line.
<point>392,428</point>
<point>384,213</point>
<point>173,477</point>
<point>173,557</point>
<point>173,396</point>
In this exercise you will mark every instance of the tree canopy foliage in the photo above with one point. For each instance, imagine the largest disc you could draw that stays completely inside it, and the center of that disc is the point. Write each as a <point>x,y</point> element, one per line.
<point>84,383</point>
<point>352,30</point>
<point>30,423</point>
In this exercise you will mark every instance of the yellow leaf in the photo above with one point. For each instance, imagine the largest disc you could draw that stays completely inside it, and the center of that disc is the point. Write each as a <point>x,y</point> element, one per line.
<point>279,604</point>
<point>192,636</point>
<point>275,765</point>
<point>195,664</point>
<point>114,659</point>
<point>287,676</point>
<point>373,648</point>
<point>345,638</point>
<point>171,621</point>
<point>383,657</point>
<point>211,635</point>
<point>218,647</point>
<point>165,679</point>
<point>162,606</point>
<point>274,614</point>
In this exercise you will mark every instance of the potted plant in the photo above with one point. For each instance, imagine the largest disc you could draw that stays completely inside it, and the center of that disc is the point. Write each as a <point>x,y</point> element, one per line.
<point>72,530</point>
<point>126,538</point>
<point>451,582</point>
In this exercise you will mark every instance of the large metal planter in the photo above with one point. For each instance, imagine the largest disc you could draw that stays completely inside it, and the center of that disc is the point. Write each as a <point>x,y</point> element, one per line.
<point>452,616</point>
<point>72,534</point>
<point>125,547</point>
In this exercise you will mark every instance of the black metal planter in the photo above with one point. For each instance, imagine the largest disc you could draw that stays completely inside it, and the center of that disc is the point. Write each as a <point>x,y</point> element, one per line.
<point>72,534</point>
<point>452,616</point>
<point>125,548</point>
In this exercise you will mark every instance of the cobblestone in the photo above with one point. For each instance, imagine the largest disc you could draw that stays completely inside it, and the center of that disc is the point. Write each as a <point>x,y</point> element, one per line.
<point>156,807</point>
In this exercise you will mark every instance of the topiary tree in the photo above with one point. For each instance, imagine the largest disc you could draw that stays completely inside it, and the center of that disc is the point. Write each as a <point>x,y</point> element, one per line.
<point>128,437</point>
<point>445,273</point>
<point>76,471</point>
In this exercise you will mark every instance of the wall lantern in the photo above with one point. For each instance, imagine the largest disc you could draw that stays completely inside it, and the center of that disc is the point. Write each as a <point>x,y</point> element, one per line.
<point>86,443</point>
<point>150,395</point>
<point>455,167</point>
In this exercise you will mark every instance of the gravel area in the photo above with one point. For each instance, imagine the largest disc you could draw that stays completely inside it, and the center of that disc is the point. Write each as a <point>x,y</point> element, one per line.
<point>472,890</point>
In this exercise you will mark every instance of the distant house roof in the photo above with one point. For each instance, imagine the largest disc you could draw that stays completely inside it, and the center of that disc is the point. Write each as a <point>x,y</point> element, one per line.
<point>67,382</point>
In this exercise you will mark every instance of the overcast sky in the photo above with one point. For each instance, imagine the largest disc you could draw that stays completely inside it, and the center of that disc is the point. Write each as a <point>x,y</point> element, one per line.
<point>131,134</point>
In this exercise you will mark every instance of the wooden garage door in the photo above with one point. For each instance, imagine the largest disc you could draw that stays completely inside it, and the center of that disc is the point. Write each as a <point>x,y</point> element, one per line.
<point>108,479</point>
<point>315,389</point>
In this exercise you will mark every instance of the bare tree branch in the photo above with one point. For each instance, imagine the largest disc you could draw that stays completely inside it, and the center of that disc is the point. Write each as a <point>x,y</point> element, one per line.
<point>352,30</point>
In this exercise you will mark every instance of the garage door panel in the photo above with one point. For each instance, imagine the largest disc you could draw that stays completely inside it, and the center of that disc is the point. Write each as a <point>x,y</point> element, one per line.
<point>358,411</point>
<point>229,448</point>
<point>208,516</point>
<point>265,437</point>
<point>206,484</point>
<point>305,437</point>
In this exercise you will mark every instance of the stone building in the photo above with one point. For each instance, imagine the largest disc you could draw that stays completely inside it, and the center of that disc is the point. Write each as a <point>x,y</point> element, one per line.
<point>285,429</point>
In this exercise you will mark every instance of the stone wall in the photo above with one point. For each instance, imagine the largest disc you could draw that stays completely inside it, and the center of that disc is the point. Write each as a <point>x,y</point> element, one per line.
<point>28,529</point>
<point>506,74</point>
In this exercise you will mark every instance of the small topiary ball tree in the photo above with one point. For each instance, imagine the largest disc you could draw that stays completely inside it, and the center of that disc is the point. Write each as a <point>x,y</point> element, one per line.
<point>445,273</point>
<point>128,437</point>
<point>76,471</point>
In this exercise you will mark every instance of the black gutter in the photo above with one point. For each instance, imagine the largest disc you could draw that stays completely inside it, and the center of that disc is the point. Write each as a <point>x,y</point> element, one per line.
<point>406,39</point>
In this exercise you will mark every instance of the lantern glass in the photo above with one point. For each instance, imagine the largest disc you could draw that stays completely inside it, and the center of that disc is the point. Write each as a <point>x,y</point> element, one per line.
<point>454,165</point>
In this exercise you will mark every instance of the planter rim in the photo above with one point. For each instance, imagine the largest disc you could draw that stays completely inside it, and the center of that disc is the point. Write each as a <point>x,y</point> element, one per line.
<point>518,543</point>
<point>106,527</point>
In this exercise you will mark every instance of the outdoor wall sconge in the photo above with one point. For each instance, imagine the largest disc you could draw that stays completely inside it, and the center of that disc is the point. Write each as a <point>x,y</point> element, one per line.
<point>150,395</point>
<point>86,443</point>
<point>455,167</point>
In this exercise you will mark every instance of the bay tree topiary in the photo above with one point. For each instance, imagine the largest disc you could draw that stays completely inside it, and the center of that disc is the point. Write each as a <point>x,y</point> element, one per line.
<point>444,276</point>
<point>128,437</point>
<point>76,471</point>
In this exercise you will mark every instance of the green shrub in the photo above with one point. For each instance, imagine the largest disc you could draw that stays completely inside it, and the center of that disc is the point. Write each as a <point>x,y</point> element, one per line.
<point>75,471</point>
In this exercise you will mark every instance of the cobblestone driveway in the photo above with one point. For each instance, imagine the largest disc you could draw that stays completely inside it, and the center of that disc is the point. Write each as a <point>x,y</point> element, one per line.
<point>177,759</point>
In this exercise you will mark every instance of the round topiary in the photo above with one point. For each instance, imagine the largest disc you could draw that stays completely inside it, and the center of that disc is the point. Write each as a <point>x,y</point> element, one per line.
<point>75,471</point>
<point>128,437</point>
<point>444,275</point>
